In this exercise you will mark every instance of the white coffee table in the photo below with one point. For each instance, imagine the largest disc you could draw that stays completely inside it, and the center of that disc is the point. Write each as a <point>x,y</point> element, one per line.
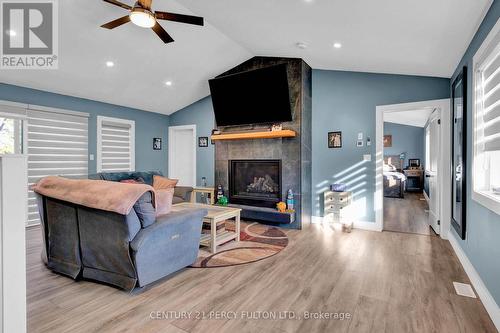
<point>215,214</point>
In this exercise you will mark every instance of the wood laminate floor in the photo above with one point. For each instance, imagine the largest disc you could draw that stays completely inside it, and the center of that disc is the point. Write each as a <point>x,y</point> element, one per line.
<point>388,282</point>
<point>407,215</point>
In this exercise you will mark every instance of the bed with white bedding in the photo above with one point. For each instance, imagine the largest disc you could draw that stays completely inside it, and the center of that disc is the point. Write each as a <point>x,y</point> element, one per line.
<point>394,179</point>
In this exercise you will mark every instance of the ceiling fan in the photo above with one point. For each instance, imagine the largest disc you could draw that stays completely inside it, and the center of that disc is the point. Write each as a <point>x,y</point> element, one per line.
<point>143,16</point>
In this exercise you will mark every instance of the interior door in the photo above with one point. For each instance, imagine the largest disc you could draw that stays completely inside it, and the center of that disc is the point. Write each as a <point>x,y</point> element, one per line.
<point>182,154</point>
<point>432,137</point>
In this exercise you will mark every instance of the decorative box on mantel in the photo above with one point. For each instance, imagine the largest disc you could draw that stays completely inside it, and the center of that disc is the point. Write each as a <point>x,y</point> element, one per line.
<point>291,145</point>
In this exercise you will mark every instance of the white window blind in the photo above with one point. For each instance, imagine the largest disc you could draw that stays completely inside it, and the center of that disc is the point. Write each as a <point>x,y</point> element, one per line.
<point>489,97</point>
<point>57,146</point>
<point>115,144</point>
<point>486,122</point>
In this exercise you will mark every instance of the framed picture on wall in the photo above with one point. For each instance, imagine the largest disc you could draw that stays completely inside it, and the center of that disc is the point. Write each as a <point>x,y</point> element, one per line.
<point>459,153</point>
<point>157,144</point>
<point>335,140</point>
<point>387,141</point>
<point>203,141</point>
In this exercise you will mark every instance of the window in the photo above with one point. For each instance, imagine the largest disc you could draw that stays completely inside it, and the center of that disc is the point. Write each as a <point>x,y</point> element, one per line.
<point>486,122</point>
<point>12,122</point>
<point>115,144</point>
<point>57,146</point>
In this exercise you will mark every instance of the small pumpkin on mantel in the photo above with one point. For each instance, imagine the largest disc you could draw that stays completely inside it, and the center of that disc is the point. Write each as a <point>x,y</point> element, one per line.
<point>281,206</point>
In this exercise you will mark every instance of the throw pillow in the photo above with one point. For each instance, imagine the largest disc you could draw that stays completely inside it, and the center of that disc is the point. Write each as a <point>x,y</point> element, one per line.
<point>145,210</point>
<point>138,180</point>
<point>160,183</point>
<point>164,201</point>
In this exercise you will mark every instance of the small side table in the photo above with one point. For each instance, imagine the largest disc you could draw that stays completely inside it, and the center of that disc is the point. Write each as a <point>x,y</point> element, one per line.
<point>208,190</point>
<point>336,206</point>
<point>414,180</point>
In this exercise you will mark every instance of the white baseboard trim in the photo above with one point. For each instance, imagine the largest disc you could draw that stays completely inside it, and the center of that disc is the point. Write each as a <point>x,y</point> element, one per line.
<point>367,225</point>
<point>317,219</point>
<point>483,293</point>
<point>426,197</point>
<point>363,225</point>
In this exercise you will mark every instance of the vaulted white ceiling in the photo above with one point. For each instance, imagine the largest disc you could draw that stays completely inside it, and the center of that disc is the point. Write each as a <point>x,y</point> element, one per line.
<point>143,63</point>
<point>425,37</point>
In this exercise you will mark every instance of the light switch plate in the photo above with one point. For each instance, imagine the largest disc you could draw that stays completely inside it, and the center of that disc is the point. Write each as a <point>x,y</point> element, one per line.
<point>360,136</point>
<point>91,157</point>
<point>367,157</point>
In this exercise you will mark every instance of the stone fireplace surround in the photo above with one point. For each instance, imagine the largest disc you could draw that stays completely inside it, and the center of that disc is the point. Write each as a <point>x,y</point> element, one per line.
<point>294,153</point>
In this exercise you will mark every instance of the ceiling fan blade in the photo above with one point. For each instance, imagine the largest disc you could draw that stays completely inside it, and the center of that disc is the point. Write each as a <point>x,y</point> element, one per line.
<point>146,4</point>
<point>116,23</point>
<point>119,4</point>
<point>164,36</point>
<point>196,20</point>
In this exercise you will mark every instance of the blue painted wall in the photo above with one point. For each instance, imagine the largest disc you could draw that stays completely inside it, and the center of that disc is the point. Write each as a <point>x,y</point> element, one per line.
<point>346,101</point>
<point>482,245</point>
<point>342,101</point>
<point>200,114</point>
<point>405,139</point>
<point>148,125</point>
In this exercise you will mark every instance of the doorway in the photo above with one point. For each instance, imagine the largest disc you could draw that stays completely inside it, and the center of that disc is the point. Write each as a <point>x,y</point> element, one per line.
<point>412,184</point>
<point>182,154</point>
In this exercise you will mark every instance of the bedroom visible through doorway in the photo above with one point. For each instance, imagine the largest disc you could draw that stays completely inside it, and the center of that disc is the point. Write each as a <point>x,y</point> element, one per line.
<point>412,177</point>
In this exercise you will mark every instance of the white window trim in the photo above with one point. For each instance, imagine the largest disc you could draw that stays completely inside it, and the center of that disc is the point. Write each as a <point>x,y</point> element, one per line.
<point>131,123</point>
<point>484,198</point>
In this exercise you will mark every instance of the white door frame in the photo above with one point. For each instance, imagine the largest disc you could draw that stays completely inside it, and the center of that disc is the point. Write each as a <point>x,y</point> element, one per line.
<point>171,130</point>
<point>444,183</point>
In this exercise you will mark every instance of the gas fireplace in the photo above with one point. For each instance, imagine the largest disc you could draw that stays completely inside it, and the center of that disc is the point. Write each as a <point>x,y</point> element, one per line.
<point>255,182</point>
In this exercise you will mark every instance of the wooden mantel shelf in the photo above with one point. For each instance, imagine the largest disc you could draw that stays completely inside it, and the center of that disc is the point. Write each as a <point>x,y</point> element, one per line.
<point>255,135</point>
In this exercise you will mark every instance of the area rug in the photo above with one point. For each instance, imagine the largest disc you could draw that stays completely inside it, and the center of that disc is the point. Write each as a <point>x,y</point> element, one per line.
<point>257,242</point>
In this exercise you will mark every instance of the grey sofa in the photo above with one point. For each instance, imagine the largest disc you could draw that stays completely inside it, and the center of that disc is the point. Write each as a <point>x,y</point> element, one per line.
<point>116,249</point>
<point>181,193</point>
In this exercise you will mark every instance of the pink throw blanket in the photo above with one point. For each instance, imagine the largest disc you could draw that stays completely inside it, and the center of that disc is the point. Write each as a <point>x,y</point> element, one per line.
<point>99,194</point>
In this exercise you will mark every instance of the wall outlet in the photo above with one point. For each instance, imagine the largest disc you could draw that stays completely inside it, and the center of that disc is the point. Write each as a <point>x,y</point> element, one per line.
<point>367,157</point>
<point>91,157</point>
<point>368,142</point>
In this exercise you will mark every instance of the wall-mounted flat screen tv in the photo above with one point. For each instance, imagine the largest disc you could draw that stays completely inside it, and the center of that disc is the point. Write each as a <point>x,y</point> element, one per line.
<point>252,97</point>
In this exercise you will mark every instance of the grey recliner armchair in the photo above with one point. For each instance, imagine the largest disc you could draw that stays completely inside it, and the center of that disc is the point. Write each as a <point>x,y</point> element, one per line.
<point>116,249</point>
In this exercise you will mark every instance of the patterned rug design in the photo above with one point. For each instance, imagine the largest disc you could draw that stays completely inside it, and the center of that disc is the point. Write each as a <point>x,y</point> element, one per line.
<point>257,242</point>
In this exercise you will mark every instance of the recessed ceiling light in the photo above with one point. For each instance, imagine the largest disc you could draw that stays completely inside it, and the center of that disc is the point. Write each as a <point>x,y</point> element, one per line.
<point>337,45</point>
<point>308,1</point>
<point>110,64</point>
<point>11,33</point>
<point>168,83</point>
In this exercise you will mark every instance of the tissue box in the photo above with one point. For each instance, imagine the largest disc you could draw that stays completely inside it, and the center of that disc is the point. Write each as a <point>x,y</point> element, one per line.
<point>338,187</point>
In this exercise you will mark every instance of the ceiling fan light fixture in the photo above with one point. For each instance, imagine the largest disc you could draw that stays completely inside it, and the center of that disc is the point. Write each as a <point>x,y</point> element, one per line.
<point>142,17</point>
